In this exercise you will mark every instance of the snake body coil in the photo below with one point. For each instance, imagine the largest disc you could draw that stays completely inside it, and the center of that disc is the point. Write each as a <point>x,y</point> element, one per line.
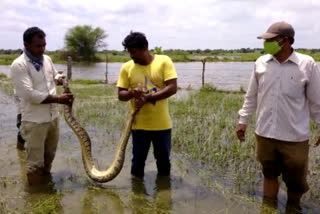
<point>85,142</point>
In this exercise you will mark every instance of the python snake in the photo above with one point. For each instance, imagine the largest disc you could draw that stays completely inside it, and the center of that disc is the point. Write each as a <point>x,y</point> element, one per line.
<point>85,142</point>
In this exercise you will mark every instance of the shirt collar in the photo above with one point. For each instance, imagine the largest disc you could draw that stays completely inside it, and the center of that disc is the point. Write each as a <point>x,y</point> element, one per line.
<point>26,57</point>
<point>267,58</point>
<point>293,58</point>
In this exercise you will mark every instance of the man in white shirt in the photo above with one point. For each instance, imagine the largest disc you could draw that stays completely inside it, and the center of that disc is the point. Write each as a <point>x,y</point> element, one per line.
<point>284,91</point>
<point>34,76</point>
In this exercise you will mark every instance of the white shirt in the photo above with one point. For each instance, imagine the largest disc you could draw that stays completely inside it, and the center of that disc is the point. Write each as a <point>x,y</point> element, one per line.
<point>284,96</point>
<point>32,87</point>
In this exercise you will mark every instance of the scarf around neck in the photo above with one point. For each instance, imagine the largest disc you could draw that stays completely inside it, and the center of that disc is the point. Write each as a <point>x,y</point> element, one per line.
<point>37,62</point>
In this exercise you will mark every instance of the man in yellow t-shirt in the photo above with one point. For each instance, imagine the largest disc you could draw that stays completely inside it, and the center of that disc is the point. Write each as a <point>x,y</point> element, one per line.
<point>147,81</point>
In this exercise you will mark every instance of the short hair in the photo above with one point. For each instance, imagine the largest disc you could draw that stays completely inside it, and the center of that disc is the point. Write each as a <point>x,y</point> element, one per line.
<point>32,32</point>
<point>291,40</point>
<point>135,40</point>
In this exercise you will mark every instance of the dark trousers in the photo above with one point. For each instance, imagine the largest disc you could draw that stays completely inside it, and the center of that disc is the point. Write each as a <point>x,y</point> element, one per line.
<point>19,137</point>
<point>161,141</point>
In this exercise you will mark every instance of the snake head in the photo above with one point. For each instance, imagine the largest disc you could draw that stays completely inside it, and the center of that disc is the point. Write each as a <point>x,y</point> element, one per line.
<point>66,90</point>
<point>65,85</point>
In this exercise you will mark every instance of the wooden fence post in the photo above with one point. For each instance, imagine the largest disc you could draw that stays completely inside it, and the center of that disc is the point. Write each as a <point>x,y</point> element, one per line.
<point>203,70</point>
<point>69,71</point>
<point>106,73</point>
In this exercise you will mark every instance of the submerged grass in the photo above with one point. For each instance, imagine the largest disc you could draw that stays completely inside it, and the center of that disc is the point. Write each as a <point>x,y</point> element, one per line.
<point>50,203</point>
<point>86,82</point>
<point>98,105</point>
<point>7,59</point>
<point>204,132</point>
<point>6,84</point>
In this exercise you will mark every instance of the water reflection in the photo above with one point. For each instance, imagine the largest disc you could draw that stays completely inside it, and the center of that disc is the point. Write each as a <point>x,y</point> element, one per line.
<point>161,198</point>
<point>102,200</point>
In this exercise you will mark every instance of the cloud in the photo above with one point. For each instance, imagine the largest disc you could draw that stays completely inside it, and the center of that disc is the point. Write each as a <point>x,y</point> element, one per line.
<point>183,24</point>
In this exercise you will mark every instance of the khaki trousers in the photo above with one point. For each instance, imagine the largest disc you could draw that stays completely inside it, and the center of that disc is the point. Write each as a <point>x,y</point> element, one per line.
<point>41,144</point>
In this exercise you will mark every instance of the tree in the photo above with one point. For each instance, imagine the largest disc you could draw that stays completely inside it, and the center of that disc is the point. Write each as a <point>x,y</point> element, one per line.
<point>84,41</point>
<point>158,50</point>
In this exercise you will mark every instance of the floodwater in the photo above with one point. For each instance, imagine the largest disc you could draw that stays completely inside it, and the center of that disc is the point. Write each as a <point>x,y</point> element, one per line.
<point>223,75</point>
<point>71,191</point>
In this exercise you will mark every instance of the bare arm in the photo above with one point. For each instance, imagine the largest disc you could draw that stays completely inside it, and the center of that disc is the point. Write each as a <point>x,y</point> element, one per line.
<point>124,94</point>
<point>62,99</point>
<point>169,90</point>
<point>141,98</point>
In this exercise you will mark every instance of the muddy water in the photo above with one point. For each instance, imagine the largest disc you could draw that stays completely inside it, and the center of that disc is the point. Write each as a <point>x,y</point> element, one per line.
<point>71,191</point>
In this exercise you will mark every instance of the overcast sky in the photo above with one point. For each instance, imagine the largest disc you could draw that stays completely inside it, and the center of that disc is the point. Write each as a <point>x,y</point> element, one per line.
<point>176,24</point>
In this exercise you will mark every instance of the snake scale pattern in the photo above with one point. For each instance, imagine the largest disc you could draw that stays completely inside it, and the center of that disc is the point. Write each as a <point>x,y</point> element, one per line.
<point>85,142</point>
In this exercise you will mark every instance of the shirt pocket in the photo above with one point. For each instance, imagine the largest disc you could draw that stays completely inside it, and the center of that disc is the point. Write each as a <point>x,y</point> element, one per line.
<point>293,84</point>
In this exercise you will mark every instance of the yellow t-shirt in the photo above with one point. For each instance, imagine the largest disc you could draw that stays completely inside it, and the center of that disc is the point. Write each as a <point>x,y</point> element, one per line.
<point>150,77</point>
